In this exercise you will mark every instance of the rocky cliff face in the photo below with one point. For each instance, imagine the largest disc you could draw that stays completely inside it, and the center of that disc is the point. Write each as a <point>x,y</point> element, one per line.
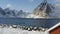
<point>43,10</point>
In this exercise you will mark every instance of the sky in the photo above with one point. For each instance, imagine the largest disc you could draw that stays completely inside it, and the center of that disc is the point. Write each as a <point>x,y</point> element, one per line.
<point>25,5</point>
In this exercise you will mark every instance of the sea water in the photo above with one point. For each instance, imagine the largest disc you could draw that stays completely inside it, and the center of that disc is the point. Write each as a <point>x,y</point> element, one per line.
<point>27,22</point>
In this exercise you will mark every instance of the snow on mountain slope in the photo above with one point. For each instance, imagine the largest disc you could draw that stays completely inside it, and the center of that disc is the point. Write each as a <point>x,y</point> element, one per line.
<point>21,14</point>
<point>12,13</point>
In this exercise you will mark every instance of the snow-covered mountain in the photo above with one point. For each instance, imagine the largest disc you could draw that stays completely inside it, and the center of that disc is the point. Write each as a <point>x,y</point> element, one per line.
<point>46,10</point>
<point>12,13</point>
<point>43,10</point>
<point>2,12</point>
<point>22,14</point>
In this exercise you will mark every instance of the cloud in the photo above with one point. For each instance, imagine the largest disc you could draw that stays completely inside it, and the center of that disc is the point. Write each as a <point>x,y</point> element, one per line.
<point>57,10</point>
<point>30,0</point>
<point>57,1</point>
<point>9,6</point>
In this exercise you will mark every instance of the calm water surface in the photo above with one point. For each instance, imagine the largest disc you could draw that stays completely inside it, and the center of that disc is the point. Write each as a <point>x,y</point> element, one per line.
<point>47,23</point>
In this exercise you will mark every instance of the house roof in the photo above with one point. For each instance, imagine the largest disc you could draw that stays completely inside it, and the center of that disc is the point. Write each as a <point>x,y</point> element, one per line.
<point>53,27</point>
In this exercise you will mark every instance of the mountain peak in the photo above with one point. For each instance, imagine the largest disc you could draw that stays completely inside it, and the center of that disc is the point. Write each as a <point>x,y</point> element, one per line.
<point>43,10</point>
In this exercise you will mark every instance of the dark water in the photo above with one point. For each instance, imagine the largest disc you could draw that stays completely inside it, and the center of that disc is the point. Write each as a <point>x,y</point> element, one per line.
<point>46,23</point>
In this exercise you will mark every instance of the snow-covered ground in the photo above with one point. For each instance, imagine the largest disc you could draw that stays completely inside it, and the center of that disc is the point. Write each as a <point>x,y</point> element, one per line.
<point>11,30</point>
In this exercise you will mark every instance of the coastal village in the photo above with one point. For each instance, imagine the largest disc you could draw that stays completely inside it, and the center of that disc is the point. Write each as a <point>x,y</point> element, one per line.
<point>43,11</point>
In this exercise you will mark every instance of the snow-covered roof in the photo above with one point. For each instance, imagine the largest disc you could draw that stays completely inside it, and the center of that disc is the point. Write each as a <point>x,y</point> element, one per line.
<point>53,27</point>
